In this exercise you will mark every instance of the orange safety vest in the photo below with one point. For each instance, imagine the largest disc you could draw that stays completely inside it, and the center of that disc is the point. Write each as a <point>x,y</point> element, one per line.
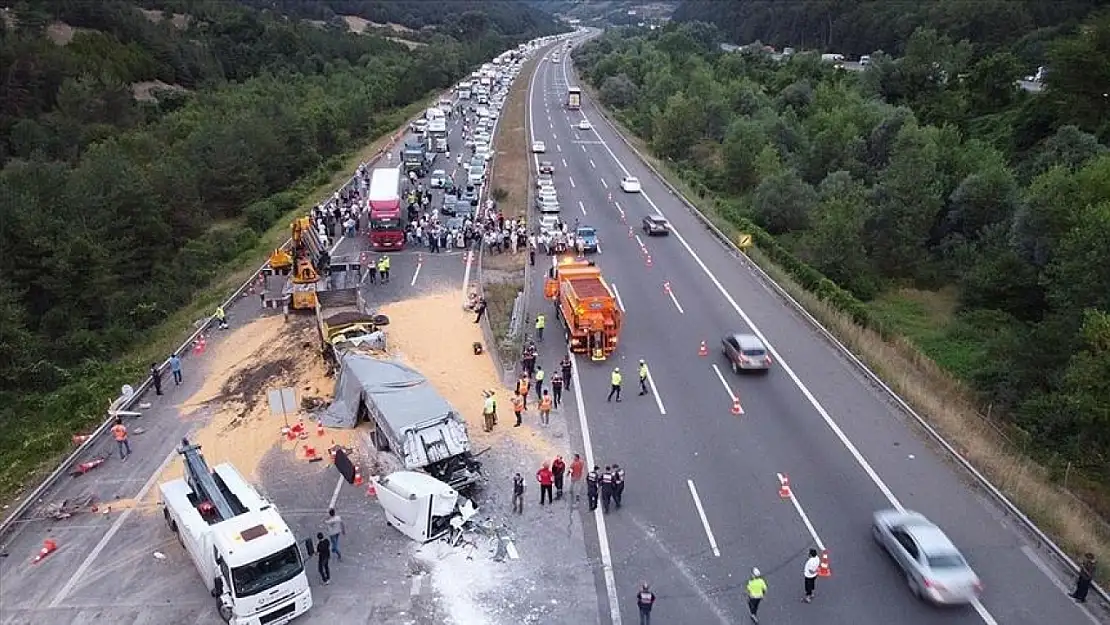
<point>119,432</point>
<point>522,387</point>
<point>518,403</point>
<point>545,403</point>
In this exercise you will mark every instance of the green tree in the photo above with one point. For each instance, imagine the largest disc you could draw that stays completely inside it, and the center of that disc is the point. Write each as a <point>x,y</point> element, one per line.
<point>678,127</point>
<point>783,202</point>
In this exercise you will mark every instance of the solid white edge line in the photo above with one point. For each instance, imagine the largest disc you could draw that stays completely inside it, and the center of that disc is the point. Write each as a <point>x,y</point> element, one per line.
<point>802,514</point>
<point>110,534</point>
<point>641,242</point>
<point>416,274</point>
<point>466,278</point>
<point>617,294</point>
<point>724,383</point>
<point>655,392</point>
<point>675,300</point>
<point>704,519</point>
<point>335,493</point>
<point>599,518</point>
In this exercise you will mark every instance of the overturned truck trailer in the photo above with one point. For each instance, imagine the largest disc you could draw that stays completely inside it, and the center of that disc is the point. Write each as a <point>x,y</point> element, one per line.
<point>409,417</point>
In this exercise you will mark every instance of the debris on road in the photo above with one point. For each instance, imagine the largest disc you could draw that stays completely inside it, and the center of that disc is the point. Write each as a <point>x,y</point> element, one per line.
<point>87,466</point>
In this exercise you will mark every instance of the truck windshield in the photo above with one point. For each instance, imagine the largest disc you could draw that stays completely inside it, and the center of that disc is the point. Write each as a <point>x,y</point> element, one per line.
<point>385,224</point>
<point>251,579</point>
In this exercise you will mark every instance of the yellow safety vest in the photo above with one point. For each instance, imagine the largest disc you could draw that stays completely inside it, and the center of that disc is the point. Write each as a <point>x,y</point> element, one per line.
<point>488,408</point>
<point>539,375</point>
<point>643,372</point>
<point>756,587</point>
<point>220,314</point>
<point>385,263</point>
<point>615,379</point>
<point>540,322</point>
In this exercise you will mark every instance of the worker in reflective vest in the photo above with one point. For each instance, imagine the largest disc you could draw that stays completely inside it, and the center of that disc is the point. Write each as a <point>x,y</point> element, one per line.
<point>541,322</point>
<point>119,433</point>
<point>522,386</point>
<point>518,408</point>
<point>221,318</point>
<point>615,385</point>
<point>539,381</point>
<point>383,269</point>
<point>545,409</point>
<point>643,378</point>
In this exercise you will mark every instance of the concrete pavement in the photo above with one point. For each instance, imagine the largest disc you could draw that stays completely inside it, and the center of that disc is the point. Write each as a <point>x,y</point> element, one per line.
<point>702,502</point>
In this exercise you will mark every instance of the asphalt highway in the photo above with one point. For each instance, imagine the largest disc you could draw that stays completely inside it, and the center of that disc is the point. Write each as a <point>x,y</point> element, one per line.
<point>702,504</point>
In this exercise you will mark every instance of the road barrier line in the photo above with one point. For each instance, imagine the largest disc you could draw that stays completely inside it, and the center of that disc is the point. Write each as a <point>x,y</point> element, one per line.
<point>704,519</point>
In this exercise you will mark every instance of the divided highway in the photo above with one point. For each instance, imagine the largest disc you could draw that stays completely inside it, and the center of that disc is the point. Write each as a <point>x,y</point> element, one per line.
<point>702,504</point>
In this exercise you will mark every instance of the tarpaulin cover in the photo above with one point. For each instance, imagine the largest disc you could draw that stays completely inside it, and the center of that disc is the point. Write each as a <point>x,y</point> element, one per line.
<point>399,394</point>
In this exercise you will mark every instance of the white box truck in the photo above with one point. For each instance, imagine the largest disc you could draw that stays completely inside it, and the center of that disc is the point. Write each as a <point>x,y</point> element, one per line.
<point>245,553</point>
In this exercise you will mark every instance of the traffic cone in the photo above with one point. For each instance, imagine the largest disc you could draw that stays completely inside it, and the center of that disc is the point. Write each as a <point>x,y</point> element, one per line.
<point>736,408</point>
<point>358,476</point>
<point>288,433</point>
<point>703,350</point>
<point>49,546</point>
<point>648,260</point>
<point>319,429</point>
<point>199,345</point>
<point>371,490</point>
<point>667,288</point>
<point>784,487</point>
<point>299,426</point>
<point>630,232</point>
<point>420,258</point>
<point>79,439</point>
<point>309,452</point>
<point>823,570</point>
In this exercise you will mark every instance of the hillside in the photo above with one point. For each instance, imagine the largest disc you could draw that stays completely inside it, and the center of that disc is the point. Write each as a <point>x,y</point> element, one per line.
<point>608,12</point>
<point>144,146</point>
<point>966,215</point>
<point>862,27</point>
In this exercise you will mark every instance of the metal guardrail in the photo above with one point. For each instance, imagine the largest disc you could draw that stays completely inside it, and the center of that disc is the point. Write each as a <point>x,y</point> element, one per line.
<point>34,496</point>
<point>735,251</point>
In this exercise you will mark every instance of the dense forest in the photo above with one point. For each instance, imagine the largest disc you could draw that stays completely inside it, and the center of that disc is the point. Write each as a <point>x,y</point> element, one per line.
<point>865,26</point>
<point>140,149</point>
<point>931,171</point>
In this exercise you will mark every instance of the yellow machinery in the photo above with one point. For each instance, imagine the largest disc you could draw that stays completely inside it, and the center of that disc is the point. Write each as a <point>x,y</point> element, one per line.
<point>307,249</point>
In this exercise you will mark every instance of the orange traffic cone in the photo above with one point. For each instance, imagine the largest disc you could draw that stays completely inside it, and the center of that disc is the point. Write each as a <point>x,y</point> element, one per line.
<point>648,261</point>
<point>703,350</point>
<point>199,345</point>
<point>823,570</point>
<point>309,452</point>
<point>667,288</point>
<point>79,439</point>
<point>319,429</point>
<point>419,258</point>
<point>737,409</point>
<point>784,486</point>
<point>49,546</point>
<point>631,233</point>
<point>358,476</point>
<point>289,433</point>
<point>371,490</point>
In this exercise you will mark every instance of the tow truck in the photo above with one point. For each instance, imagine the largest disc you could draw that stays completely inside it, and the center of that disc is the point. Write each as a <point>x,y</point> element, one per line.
<point>245,553</point>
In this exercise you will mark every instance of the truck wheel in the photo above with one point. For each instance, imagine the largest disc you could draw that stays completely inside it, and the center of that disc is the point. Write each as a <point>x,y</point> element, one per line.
<point>224,611</point>
<point>170,523</point>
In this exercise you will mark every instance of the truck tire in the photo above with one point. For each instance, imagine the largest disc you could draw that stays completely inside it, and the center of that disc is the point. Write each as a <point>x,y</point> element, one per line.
<point>224,611</point>
<point>170,523</point>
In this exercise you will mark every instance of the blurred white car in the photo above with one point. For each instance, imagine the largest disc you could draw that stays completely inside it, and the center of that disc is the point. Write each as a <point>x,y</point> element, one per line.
<point>438,179</point>
<point>584,124</point>
<point>630,184</point>
<point>933,567</point>
<point>539,147</point>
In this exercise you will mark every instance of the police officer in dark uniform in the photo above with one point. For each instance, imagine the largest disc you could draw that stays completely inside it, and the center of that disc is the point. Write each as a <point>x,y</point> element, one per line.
<point>606,488</point>
<point>618,484</point>
<point>556,388</point>
<point>591,487</point>
<point>565,365</point>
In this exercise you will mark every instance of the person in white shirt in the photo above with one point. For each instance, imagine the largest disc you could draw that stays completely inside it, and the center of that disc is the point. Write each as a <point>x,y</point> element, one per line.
<point>809,571</point>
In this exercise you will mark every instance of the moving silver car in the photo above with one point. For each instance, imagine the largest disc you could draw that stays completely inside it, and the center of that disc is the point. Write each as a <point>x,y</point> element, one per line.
<point>934,569</point>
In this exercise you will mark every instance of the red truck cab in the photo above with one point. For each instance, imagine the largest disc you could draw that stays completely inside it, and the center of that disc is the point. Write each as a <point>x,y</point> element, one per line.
<point>387,231</point>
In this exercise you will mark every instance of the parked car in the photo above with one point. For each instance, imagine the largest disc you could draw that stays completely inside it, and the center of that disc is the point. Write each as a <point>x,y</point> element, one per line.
<point>547,167</point>
<point>544,180</point>
<point>438,179</point>
<point>630,184</point>
<point>549,223</point>
<point>539,147</point>
<point>745,352</point>
<point>932,565</point>
<point>656,225</point>
<point>588,236</point>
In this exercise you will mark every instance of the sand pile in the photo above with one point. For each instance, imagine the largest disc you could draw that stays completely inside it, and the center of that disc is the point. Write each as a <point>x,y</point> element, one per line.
<point>434,336</point>
<point>263,355</point>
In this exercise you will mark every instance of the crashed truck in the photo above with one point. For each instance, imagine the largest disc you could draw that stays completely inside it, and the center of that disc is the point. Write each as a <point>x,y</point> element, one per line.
<point>408,417</point>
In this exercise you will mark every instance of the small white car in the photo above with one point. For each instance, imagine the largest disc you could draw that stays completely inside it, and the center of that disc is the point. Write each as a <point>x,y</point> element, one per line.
<point>438,179</point>
<point>630,184</point>
<point>539,147</point>
<point>483,151</point>
<point>584,124</point>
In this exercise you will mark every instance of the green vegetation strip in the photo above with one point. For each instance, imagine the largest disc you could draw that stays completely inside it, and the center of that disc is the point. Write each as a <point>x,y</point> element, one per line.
<point>830,179</point>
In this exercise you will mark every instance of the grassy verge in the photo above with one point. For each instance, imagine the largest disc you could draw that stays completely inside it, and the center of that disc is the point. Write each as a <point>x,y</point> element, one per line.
<point>933,392</point>
<point>79,405</point>
<point>503,274</point>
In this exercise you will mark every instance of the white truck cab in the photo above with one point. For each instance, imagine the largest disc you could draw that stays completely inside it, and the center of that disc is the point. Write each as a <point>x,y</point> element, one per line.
<point>245,553</point>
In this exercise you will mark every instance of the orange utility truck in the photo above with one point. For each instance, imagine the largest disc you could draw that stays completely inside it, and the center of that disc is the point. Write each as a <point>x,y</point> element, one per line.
<point>589,311</point>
